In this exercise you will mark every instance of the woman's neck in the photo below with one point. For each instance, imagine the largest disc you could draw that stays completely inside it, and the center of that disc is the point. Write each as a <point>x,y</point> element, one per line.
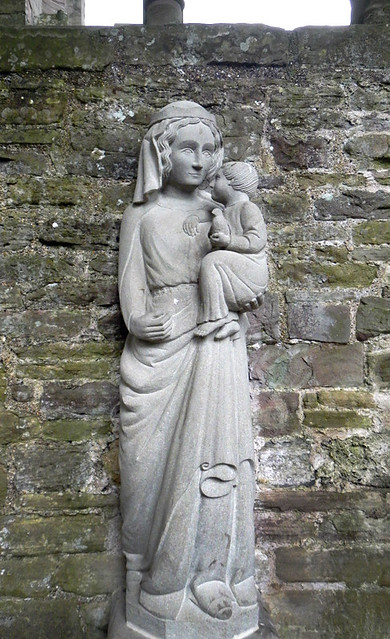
<point>172,194</point>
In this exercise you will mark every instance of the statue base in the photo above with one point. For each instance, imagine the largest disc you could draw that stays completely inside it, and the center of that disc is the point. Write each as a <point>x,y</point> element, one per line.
<point>145,625</point>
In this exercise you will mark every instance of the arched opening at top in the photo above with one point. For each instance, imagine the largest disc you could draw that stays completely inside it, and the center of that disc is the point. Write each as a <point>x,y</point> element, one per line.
<point>287,14</point>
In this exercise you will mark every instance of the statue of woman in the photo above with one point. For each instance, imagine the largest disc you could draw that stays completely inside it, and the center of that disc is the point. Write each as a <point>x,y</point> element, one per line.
<point>186,452</point>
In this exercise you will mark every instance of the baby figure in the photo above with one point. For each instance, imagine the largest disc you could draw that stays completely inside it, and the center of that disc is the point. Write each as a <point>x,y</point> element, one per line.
<point>234,275</point>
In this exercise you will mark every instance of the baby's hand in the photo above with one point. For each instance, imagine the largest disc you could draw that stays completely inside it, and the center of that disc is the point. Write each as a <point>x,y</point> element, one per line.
<point>191,225</point>
<point>220,240</point>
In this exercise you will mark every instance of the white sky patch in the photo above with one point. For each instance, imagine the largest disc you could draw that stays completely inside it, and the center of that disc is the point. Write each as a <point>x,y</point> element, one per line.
<point>287,14</point>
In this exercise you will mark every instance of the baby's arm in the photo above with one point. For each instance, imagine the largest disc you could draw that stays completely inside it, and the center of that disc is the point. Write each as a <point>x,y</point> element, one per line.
<point>254,236</point>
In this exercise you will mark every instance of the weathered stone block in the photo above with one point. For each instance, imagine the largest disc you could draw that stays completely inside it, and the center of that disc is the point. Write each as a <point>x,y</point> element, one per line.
<point>91,574</point>
<point>353,204</point>
<point>281,527</point>
<point>343,47</point>
<point>21,135</point>
<point>360,460</point>
<point>110,460</point>
<point>65,191</point>
<point>112,326</point>
<point>3,485</point>
<point>22,392</point>
<point>105,262</point>
<point>305,152</point>
<point>354,567</point>
<point>95,615</point>
<point>16,231</point>
<point>319,322</point>
<point>374,232</point>
<point>32,107</point>
<point>379,368</point>
<point>373,317</point>
<point>92,399</point>
<point>339,399</point>
<point>27,576</point>
<point>80,229</point>
<point>14,162</point>
<point>369,145</point>
<point>336,419</point>
<point>34,270</point>
<point>308,614</point>
<point>276,414</point>
<point>316,274</point>
<point>43,619</point>
<point>372,254</point>
<point>65,502</point>
<point>283,207</point>
<point>42,468</point>
<point>305,366</point>
<point>64,48</point>
<point>76,430</point>
<point>256,45</point>
<point>354,526</point>
<point>43,325</point>
<point>51,535</point>
<point>286,463</point>
<point>316,500</point>
<point>102,292</point>
<point>264,322</point>
<point>9,429</point>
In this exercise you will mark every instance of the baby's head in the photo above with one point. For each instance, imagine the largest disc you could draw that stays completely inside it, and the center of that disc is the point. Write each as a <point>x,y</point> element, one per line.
<point>242,177</point>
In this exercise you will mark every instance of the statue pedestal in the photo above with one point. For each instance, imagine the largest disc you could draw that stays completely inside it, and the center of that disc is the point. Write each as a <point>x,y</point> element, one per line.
<point>148,626</point>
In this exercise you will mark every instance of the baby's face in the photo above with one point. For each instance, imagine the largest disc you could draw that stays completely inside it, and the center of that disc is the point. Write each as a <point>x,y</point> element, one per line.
<point>221,189</point>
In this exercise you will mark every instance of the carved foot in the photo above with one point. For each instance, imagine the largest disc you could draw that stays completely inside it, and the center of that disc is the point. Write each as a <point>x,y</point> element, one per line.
<point>206,328</point>
<point>214,598</point>
<point>245,592</point>
<point>231,329</point>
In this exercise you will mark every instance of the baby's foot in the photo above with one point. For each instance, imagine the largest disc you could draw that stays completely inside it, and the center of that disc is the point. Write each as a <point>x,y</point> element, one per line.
<point>230,329</point>
<point>206,328</point>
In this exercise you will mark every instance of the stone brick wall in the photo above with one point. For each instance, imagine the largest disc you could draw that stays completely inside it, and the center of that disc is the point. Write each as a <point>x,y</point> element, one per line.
<point>310,109</point>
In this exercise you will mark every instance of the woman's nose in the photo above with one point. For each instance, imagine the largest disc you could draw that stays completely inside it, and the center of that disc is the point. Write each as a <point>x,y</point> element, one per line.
<point>197,162</point>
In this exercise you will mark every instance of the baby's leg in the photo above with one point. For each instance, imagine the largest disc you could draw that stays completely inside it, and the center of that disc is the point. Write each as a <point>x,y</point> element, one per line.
<point>211,287</point>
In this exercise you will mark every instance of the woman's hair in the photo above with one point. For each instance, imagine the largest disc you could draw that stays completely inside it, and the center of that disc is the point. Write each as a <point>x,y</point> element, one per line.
<point>242,177</point>
<point>168,135</point>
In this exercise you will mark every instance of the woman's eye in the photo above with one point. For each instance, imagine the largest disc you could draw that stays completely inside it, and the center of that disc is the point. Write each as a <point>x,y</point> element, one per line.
<point>207,154</point>
<point>188,151</point>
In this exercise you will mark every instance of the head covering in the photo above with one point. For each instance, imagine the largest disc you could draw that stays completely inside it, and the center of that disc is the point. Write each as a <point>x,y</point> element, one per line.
<point>182,109</point>
<point>150,171</point>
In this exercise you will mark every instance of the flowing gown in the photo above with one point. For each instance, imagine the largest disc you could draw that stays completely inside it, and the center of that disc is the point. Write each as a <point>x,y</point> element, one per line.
<point>186,452</point>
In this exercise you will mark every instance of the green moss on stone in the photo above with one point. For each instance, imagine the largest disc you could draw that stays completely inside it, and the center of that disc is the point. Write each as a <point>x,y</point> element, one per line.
<point>30,536</point>
<point>91,574</point>
<point>373,232</point>
<point>76,430</point>
<point>345,419</point>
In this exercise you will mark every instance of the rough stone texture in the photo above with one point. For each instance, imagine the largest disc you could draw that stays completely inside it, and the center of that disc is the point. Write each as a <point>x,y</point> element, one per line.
<point>319,322</point>
<point>373,317</point>
<point>310,110</point>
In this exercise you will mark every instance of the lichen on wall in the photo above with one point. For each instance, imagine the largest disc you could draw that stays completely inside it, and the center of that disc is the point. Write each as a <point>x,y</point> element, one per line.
<point>310,110</point>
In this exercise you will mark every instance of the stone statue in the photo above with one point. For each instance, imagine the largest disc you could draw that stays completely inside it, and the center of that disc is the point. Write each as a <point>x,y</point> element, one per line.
<point>191,263</point>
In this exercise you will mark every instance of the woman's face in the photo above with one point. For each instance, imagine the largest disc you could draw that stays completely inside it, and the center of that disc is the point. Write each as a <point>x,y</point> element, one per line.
<point>191,156</point>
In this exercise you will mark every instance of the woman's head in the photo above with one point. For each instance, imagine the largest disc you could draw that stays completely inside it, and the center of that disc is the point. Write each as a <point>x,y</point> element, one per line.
<point>167,137</point>
<point>155,164</point>
<point>241,177</point>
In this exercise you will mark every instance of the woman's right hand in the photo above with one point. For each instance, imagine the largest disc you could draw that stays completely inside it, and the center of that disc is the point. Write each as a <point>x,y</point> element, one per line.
<point>152,327</point>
